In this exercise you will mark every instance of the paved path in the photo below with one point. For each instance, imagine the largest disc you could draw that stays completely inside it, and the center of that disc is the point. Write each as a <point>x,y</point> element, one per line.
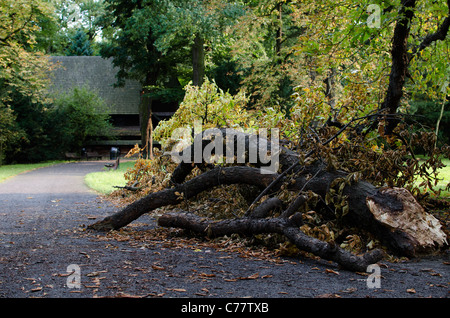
<point>43,215</point>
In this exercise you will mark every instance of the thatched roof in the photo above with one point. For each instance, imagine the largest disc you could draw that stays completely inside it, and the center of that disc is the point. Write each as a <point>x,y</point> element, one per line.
<point>99,75</point>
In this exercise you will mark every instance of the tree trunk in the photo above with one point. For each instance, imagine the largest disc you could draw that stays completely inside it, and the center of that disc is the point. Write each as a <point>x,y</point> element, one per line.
<point>391,214</point>
<point>400,62</point>
<point>145,117</point>
<point>198,61</point>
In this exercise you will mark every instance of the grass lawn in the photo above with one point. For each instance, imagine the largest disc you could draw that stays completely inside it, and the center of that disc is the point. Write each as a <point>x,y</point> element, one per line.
<point>8,171</point>
<point>104,181</point>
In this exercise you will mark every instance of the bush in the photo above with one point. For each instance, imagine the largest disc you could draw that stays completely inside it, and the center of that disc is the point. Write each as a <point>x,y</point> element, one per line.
<point>34,131</point>
<point>9,134</point>
<point>80,116</point>
<point>31,121</point>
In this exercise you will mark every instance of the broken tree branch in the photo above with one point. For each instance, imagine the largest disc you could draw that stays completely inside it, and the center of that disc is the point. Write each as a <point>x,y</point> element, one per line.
<point>284,226</point>
<point>205,181</point>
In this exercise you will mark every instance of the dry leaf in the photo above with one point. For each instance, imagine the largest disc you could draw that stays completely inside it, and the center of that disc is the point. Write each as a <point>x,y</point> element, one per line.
<point>254,276</point>
<point>328,296</point>
<point>177,289</point>
<point>330,271</point>
<point>435,274</point>
<point>157,268</point>
<point>85,254</point>
<point>411,290</point>
<point>93,274</point>
<point>207,275</point>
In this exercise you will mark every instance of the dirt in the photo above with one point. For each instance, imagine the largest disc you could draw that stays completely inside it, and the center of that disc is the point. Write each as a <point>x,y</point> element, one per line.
<point>44,245</point>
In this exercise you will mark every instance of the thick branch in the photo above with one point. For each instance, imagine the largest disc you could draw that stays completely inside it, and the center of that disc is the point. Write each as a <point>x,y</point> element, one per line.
<point>205,181</point>
<point>250,226</point>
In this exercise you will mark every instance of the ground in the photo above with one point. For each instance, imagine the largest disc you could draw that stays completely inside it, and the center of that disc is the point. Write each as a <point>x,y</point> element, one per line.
<point>44,216</point>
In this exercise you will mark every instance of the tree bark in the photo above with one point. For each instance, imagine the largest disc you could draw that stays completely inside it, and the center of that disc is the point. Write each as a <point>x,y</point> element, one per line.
<point>400,62</point>
<point>391,214</point>
<point>401,58</point>
<point>205,181</point>
<point>198,61</point>
<point>145,115</point>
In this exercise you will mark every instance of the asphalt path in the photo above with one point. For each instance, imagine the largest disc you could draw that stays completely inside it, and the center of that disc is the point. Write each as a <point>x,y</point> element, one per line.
<point>45,252</point>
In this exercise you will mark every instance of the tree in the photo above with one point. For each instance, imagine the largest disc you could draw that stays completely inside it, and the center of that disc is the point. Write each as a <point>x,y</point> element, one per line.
<point>263,50</point>
<point>403,53</point>
<point>385,213</point>
<point>134,53</point>
<point>155,39</point>
<point>71,18</point>
<point>328,174</point>
<point>194,24</point>
<point>23,69</point>
<point>80,116</point>
<point>9,132</point>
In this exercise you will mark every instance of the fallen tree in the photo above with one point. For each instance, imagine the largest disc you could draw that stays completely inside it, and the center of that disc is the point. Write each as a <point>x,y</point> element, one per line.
<point>390,214</point>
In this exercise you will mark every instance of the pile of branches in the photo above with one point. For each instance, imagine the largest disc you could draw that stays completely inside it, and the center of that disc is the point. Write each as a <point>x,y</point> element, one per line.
<point>391,214</point>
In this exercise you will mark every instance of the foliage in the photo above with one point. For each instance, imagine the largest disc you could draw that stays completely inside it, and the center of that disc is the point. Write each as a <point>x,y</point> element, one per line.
<point>70,17</point>
<point>426,114</point>
<point>80,45</point>
<point>9,134</point>
<point>23,72</point>
<point>209,106</point>
<point>22,69</point>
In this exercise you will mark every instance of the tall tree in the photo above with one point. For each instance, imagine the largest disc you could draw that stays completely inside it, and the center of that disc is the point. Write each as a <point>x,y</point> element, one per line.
<point>80,45</point>
<point>156,41</point>
<point>23,68</point>
<point>71,17</point>
<point>132,49</point>
<point>403,51</point>
<point>263,49</point>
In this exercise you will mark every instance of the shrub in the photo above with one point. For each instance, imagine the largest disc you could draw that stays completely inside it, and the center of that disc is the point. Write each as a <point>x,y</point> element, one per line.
<point>80,116</point>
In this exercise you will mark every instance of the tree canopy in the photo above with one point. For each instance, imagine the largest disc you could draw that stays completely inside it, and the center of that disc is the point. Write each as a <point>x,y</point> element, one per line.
<point>320,62</point>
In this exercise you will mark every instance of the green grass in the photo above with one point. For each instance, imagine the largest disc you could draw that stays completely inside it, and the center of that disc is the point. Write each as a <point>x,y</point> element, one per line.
<point>8,171</point>
<point>104,181</point>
